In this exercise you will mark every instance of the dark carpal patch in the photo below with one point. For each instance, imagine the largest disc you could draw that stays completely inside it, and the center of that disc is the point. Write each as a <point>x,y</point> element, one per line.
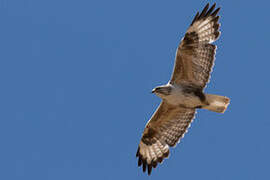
<point>148,137</point>
<point>191,38</point>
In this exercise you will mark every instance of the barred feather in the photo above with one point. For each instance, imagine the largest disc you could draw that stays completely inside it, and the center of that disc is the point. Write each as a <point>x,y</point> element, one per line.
<point>194,61</point>
<point>195,54</point>
<point>161,133</point>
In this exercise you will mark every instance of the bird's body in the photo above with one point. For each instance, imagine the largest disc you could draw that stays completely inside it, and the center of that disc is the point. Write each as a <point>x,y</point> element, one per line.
<point>184,93</point>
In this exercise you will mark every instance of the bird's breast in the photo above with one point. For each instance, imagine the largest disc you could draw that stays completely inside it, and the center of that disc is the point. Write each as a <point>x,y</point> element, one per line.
<point>180,98</point>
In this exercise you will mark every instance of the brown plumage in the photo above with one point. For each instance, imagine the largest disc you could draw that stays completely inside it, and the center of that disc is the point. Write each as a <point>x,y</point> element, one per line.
<point>193,64</point>
<point>161,132</point>
<point>195,55</point>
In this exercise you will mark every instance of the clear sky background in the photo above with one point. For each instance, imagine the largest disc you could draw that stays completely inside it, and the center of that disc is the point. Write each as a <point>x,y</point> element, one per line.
<point>75,88</point>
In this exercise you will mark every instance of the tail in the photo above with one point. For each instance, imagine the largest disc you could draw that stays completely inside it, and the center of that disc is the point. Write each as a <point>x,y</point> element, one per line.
<point>216,103</point>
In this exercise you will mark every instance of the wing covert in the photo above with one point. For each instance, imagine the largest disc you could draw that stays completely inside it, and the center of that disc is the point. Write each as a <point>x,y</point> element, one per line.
<point>165,128</point>
<point>195,54</point>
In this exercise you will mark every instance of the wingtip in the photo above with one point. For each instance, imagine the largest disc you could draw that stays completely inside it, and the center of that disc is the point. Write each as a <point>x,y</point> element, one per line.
<point>207,5</point>
<point>138,151</point>
<point>139,161</point>
<point>195,18</point>
<point>215,12</point>
<point>144,167</point>
<point>149,169</point>
<point>204,11</point>
<point>210,10</point>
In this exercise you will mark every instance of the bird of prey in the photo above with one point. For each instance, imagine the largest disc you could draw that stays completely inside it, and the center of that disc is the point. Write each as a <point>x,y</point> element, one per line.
<point>184,93</point>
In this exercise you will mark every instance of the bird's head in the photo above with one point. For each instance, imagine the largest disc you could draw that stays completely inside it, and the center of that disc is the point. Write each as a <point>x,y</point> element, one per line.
<point>162,91</point>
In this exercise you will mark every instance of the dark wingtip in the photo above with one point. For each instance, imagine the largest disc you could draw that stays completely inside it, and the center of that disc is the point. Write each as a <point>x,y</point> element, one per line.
<point>206,7</point>
<point>154,163</point>
<point>213,6</point>
<point>149,169</point>
<point>215,12</point>
<point>217,34</point>
<point>165,155</point>
<point>204,11</point>
<point>195,18</point>
<point>210,10</point>
<point>160,159</point>
<point>138,151</point>
<point>139,161</point>
<point>216,19</point>
<point>144,167</point>
<point>144,164</point>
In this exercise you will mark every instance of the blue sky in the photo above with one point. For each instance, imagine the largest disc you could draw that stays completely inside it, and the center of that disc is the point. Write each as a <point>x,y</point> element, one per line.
<point>75,89</point>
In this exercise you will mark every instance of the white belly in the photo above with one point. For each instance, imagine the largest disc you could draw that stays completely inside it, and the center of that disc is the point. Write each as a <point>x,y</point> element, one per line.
<point>179,98</point>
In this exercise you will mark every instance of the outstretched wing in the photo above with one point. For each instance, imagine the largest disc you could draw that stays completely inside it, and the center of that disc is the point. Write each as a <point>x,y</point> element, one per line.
<point>195,54</point>
<point>164,129</point>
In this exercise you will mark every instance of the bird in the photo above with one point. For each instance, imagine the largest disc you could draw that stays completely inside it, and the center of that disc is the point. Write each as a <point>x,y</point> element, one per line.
<point>184,93</point>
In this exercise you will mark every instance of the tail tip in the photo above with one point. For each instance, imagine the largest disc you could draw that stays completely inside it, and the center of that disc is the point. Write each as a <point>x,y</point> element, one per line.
<point>226,104</point>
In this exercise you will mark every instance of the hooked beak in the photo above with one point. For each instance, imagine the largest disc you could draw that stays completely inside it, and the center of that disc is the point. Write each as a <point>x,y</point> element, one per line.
<point>153,90</point>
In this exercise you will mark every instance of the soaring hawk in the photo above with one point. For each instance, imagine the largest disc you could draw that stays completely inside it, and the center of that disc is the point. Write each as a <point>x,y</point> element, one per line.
<point>184,92</point>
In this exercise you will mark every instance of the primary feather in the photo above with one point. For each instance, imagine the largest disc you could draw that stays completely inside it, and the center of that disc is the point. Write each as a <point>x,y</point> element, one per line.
<point>184,93</point>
